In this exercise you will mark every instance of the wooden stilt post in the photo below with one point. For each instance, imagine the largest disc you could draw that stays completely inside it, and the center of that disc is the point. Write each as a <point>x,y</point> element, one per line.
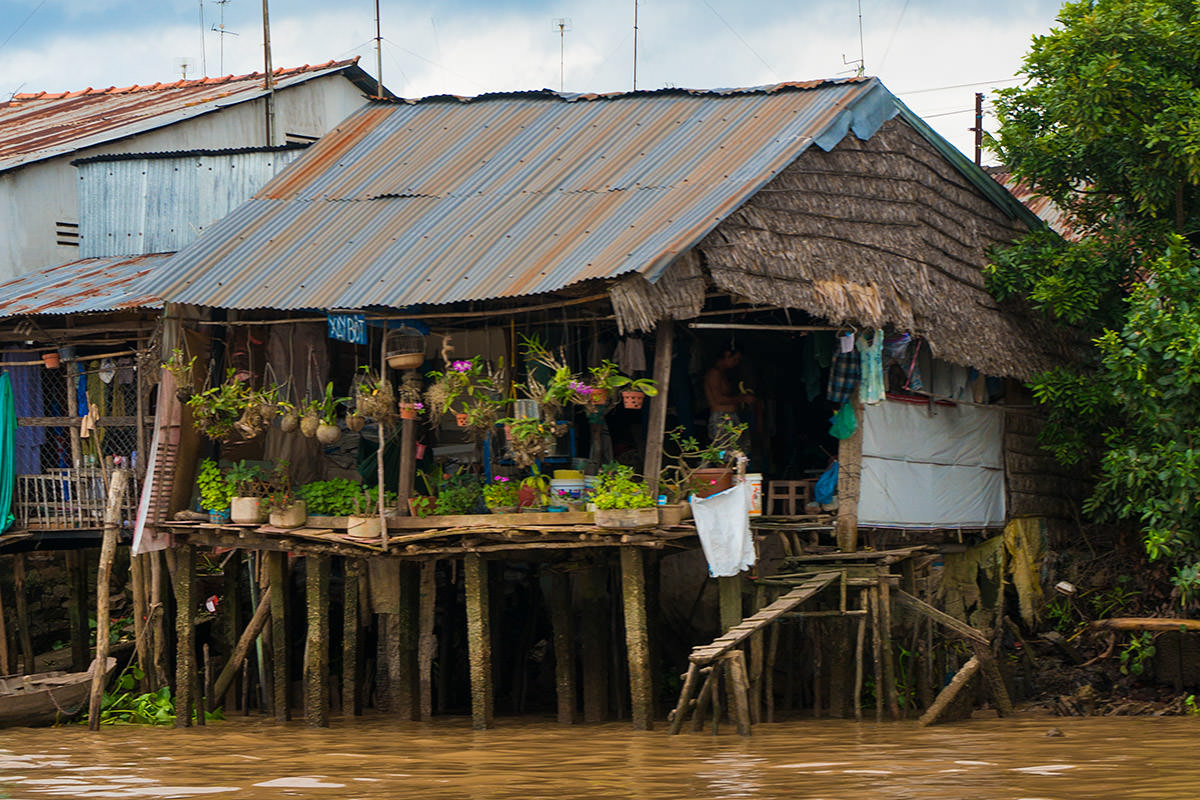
<point>77,608</point>
<point>141,614</point>
<point>947,695</point>
<point>234,663</point>
<point>158,616</point>
<point>859,636</point>
<point>731,601</point>
<point>23,619</point>
<point>352,701</point>
<point>877,651</point>
<point>277,579</point>
<point>739,690</point>
<point>564,645</point>
<point>479,639</point>
<point>594,650</point>
<point>769,676</point>
<point>637,640</point>
<point>230,613</point>
<point>889,658</point>
<point>402,687</point>
<point>663,344</point>
<point>714,696</point>
<point>408,464</point>
<point>755,647</point>
<point>316,651</point>
<point>685,697</point>
<point>185,634</point>
<point>704,699</point>
<point>426,641</point>
<point>849,480</point>
<point>206,691</point>
<point>818,664</point>
<point>108,550</point>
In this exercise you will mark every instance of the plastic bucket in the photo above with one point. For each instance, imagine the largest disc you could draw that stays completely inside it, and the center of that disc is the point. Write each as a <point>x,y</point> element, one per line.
<point>755,479</point>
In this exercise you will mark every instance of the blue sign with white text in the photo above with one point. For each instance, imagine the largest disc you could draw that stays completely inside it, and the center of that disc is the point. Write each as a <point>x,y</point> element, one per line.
<point>348,328</point>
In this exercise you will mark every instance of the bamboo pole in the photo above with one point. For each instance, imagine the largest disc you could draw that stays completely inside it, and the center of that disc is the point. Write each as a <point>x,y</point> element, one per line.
<point>849,482</point>
<point>158,626</point>
<point>704,699</point>
<point>656,429</point>
<point>769,671</point>
<point>1145,624</point>
<point>112,526</point>
<point>253,628</point>
<point>889,657</point>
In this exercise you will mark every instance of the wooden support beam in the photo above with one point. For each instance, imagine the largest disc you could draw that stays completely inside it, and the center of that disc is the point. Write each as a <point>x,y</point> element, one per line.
<point>561,620</point>
<point>185,634</point>
<point>663,344</point>
<point>6,656</point>
<point>408,464</point>
<point>705,699</point>
<point>158,623</point>
<point>889,656</point>
<point>352,701</point>
<point>849,481</point>
<point>637,637</point>
<point>945,697</point>
<point>594,646</point>
<point>316,650</point>
<point>877,651</point>
<point>141,613</point>
<point>859,636</point>
<point>769,672</point>
<point>479,640</point>
<point>277,579</point>
<point>941,617</point>
<point>1146,624</point>
<point>233,664</point>
<point>108,551</point>
<point>77,608</point>
<point>816,630</point>
<point>426,641</point>
<point>23,618</point>
<point>995,681</point>
<point>730,601</point>
<point>739,691</point>
<point>685,698</point>
<point>229,612</point>
<point>402,680</point>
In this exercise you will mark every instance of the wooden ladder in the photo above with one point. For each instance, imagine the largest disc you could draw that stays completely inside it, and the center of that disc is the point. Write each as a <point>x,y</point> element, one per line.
<point>706,654</point>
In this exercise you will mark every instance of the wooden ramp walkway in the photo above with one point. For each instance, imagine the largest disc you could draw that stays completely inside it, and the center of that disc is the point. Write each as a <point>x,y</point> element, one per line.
<point>720,647</point>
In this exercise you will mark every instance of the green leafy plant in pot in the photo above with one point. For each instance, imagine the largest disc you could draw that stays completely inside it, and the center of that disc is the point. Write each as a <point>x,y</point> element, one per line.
<point>250,485</point>
<point>284,508</point>
<point>215,490</point>
<point>623,501</point>
<point>328,431</point>
<point>702,470</point>
<point>501,495</point>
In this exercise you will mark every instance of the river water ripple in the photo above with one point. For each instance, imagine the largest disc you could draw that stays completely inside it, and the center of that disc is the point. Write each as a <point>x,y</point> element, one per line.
<point>984,759</point>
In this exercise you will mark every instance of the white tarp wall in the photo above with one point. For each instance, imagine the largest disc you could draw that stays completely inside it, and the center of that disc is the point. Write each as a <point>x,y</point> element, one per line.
<point>923,471</point>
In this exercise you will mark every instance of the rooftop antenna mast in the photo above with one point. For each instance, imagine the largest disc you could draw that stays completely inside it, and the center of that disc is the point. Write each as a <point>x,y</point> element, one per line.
<point>182,65</point>
<point>378,55</point>
<point>563,24</point>
<point>861,69</point>
<point>203,54</point>
<point>268,75</point>
<point>635,33</point>
<point>221,32</point>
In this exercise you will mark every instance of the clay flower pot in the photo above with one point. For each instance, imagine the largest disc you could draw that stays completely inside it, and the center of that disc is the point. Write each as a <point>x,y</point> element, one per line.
<point>599,397</point>
<point>461,418</point>
<point>51,360</point>
<point>633,399</point>
<point>408,411</point>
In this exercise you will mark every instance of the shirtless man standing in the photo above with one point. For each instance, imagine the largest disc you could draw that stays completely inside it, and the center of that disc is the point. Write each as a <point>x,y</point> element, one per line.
<point>723,402</point>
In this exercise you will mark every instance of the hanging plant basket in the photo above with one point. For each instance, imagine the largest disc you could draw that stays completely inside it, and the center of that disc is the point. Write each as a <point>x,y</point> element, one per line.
<point>355,422</point>
<point>462,418</point>
<point>51,360</point>
<point>633,399</point>
<point>289,422</point>
<point>408,411</point>
<point>328,433</point>
<point>309,424</point>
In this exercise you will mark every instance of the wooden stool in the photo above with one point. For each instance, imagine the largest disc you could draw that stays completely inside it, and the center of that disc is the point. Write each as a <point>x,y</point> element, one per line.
<point>794,495</point>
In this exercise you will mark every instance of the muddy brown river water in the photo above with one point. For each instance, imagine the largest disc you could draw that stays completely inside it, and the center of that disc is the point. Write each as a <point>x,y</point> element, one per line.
<point>378,758</point>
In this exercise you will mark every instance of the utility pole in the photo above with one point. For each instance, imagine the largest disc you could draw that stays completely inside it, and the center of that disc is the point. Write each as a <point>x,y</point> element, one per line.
<point>563,25</point>
<point>635,34</point>
<point>203,56</point>
<point>269,75</point>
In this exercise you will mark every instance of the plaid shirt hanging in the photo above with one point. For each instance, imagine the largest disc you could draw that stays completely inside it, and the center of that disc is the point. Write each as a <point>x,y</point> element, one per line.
<point>844,377</point>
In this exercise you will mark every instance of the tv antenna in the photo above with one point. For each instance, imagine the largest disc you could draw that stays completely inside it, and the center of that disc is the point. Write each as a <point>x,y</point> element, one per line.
<point>562,25</point>
<point>861,69</point>
<point>182,65</point>
<point>221,32</point>
<point>203,53</point>
<point>635,33</point>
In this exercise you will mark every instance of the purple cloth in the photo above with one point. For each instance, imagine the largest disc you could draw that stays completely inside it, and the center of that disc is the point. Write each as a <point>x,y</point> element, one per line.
<point>27,396</point>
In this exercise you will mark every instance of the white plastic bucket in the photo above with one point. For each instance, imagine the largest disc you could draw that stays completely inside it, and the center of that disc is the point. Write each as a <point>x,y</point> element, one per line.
<point>755,479</point>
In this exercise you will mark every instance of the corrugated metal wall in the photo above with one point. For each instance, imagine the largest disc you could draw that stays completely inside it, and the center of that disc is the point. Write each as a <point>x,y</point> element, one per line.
<point>157,205</point>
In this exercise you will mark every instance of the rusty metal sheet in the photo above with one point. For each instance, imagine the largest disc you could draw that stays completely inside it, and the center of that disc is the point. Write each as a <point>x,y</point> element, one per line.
<point>78,287</point>
<point>41,125</point>
<point>445,199</point>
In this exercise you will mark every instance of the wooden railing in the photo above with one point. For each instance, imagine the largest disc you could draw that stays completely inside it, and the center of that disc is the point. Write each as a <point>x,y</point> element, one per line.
<point>67,499</point>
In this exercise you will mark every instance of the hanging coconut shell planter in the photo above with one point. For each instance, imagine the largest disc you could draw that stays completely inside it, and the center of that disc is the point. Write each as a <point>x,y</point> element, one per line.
<point>404,348</point>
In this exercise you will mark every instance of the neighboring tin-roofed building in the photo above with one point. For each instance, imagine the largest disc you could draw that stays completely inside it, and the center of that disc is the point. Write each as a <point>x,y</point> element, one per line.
<point>41,133</point>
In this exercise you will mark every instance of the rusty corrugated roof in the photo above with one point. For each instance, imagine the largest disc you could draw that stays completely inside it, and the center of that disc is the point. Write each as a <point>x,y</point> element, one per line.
<point>1046,209</point>
<point>79,287</point>
<point>42,125</point>
<point>448,199</point>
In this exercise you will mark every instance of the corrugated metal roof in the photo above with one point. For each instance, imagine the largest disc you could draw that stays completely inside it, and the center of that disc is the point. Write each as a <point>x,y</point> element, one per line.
<point>42,125</point>
<point>445,199</point>
<point>1045,208</point>
<point>78,287</point>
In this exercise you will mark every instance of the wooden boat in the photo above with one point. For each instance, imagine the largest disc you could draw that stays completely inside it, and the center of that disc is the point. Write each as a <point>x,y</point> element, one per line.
<point>44,698</point>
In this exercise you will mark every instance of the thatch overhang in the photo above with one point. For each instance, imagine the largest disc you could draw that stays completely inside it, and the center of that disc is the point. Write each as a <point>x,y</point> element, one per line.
<point>877,233</point>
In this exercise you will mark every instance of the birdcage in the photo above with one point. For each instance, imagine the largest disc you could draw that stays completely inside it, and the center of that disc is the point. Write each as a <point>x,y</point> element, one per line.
<point>404,348</point>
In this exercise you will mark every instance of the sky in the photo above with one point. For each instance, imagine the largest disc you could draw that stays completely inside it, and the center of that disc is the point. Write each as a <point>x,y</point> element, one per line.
<point>934,54</point>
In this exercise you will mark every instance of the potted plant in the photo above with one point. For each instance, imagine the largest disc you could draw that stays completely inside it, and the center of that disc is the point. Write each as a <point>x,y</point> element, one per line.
<point>249,489</point>
<point>284,508</point>
<point>310,417</point>
<point>529,439</point>
<point>374,398</point>
<point>603,381</point>
<point>622,501</point>
<point>534,493</point>
<point>215,491</point>
<point>181,367</point>
<point>467,389</point>
<point>328,431</point>
<point>635,390</point>
<point>411,410</point>
<point>447,387</point>
<point>457,494</point>
<point>217,410</point>
<point>702,471</point>
<point>500,496</point>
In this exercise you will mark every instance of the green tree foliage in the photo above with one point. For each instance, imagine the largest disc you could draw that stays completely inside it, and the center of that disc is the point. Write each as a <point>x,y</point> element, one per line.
<point>1108,127</point>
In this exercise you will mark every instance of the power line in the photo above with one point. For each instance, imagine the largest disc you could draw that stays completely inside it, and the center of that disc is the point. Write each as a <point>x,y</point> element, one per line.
<point>961,86</point>
<point>22,25</point>
<point>740,39</point>
<point>892,38</point>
